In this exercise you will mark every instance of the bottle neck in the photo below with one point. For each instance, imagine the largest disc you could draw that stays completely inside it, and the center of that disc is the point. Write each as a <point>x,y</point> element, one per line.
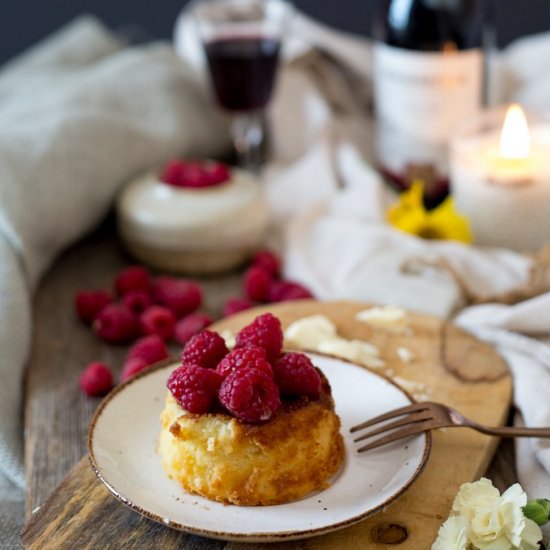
<point>434,25</point>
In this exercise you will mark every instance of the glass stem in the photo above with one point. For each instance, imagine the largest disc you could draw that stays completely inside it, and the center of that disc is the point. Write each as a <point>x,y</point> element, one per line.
<point>248,131</point>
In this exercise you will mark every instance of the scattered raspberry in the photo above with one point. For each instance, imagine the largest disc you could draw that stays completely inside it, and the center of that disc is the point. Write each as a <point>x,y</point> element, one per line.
<point>137,301</point>
<point>158,320</point>
<point>191,325</point>
<point>194,387</point>
<point>250,395</point>
<point>265,332</point>
<point>206,349</point>
<point>282,291</point>
<point>180,296</point>
<point>89,303</point>
<point>244,358</point>
<point>116,324</point>
<point>256,283</point>
<point>132,367</point>
<point>296,376</point>
<point>96,379</point>
<point>267,260</point>
<point>149,349</point>
<point>234,305</point>
<point>132,278</point>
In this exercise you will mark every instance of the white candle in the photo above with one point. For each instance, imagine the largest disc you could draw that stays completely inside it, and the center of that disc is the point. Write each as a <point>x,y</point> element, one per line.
<point>500,179</point>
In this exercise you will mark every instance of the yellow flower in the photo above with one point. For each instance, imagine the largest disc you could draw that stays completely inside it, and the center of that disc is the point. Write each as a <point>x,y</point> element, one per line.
<point>443,222</point>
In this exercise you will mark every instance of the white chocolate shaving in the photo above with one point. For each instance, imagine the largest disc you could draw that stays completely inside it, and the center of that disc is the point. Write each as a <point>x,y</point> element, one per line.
<point>229,338</point>
<point>353,350</point>
<point>404,354</point>
<point>318,333</point>
<point>391,318</point>
<point>309,332</point>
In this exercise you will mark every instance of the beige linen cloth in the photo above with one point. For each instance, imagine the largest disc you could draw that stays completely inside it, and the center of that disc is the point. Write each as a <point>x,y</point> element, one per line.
<point>330,207</point>
<point>79,115</point>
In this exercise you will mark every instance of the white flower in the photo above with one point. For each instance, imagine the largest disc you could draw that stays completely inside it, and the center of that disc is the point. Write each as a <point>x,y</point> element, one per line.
<point>495,522</point>
<point>453,535</point>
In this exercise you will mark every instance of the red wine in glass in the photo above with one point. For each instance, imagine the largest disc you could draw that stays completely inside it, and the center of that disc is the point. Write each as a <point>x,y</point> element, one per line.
<point>243,70</point>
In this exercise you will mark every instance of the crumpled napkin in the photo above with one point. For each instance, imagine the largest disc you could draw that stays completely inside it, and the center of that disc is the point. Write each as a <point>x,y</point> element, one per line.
<point>79,116</point>
<point>330,208</point>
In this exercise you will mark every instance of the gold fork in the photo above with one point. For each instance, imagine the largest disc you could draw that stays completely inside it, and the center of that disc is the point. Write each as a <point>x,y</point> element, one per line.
<point>421,417</point>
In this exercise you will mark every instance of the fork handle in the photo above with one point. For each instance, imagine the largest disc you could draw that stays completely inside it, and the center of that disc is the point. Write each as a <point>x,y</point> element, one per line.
<point>506,431</point>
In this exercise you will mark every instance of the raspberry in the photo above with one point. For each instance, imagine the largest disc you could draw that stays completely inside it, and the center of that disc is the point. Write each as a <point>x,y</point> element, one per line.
<point>282,291</point>
<point>190,325</point>
<point>132,278</point>
<point>296,376</point>
<point>149,349</point>
<point>180,296</point>
<point>267,260</point>
<point>250,394</point>
<point>243,358</point>
<point>256,283</point>
<point>265,332</point>
<point>217,173</point>
<point>132,367</point>
<point>194,387</point>
<point>172,172</point>
<point>89,303</point>
<point>158,320</point>
<point>206,349</point>
<point>96,379</point>
<point>234,305</point>
<point>137,301</point>
<point>116,324</point>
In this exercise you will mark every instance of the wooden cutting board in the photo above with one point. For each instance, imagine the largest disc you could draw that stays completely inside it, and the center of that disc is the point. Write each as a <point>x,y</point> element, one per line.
<point>454,368</point>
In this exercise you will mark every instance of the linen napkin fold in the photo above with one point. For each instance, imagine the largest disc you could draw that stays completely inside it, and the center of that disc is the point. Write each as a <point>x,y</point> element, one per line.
<point>79,115</point>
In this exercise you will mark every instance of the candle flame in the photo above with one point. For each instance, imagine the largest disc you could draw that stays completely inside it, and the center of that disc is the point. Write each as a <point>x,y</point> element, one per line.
<point>515,142</point>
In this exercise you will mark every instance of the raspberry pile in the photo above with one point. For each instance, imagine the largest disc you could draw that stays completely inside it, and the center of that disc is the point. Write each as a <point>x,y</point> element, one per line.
<point>248,382</point>
<point>194,174</point>
<point>143,310</point>
<point>262,283</point>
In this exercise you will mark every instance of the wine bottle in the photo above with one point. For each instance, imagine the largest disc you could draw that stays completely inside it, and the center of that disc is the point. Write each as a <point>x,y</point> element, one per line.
<point>429,67</point>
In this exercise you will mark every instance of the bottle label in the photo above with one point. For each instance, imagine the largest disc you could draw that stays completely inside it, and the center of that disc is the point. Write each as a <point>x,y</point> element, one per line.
<point>420,98</point>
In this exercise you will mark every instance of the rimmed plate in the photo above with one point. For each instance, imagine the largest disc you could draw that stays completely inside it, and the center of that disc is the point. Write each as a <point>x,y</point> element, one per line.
<point>122,445</point>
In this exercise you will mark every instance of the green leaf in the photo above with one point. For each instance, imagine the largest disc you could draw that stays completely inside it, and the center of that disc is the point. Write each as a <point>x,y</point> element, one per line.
<point>538,510</point>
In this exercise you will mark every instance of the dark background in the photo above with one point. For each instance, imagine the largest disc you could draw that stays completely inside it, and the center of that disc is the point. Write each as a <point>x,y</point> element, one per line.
<point>23,22</point>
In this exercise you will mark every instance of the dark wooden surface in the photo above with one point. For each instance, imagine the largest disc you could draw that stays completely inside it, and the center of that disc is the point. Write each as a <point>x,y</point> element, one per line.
<point>57,414</point>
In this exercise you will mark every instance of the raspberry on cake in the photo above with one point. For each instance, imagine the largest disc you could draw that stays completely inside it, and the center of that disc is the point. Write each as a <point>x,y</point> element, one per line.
<point>265,332</point>
<point>238,431</point>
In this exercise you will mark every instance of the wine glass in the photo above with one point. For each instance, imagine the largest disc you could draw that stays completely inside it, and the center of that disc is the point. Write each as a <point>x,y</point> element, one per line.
<point>242,41</point>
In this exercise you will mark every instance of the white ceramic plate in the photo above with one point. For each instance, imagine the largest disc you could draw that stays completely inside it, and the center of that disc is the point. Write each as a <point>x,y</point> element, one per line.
<point>122,441</point>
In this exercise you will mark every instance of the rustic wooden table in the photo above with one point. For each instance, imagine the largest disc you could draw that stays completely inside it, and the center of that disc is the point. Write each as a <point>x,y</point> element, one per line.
<point>57,414</point>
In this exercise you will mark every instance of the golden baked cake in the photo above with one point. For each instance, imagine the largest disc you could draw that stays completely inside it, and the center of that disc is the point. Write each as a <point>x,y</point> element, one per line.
<point>271,444</point>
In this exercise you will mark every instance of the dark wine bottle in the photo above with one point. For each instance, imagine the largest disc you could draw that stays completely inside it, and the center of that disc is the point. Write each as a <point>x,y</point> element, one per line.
<point>429,67</point>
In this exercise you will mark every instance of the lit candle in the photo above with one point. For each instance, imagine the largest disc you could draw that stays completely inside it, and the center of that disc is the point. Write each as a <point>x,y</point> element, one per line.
<point>500,179</point>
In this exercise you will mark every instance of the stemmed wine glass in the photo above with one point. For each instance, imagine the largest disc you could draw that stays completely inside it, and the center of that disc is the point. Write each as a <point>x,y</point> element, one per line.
<point>242,41</point>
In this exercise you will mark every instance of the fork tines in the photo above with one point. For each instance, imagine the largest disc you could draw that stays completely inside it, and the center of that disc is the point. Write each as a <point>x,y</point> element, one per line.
<point>414,422</point>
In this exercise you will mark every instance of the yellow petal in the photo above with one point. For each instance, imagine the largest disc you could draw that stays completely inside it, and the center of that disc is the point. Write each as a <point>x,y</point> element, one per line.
<point>449,223</point>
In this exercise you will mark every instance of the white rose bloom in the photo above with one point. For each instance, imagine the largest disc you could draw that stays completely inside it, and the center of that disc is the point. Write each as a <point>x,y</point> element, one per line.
<point>496,522</point>
<point>453,535</point>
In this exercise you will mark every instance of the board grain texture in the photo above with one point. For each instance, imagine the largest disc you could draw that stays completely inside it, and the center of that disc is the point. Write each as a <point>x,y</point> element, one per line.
<point>81,513</point>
